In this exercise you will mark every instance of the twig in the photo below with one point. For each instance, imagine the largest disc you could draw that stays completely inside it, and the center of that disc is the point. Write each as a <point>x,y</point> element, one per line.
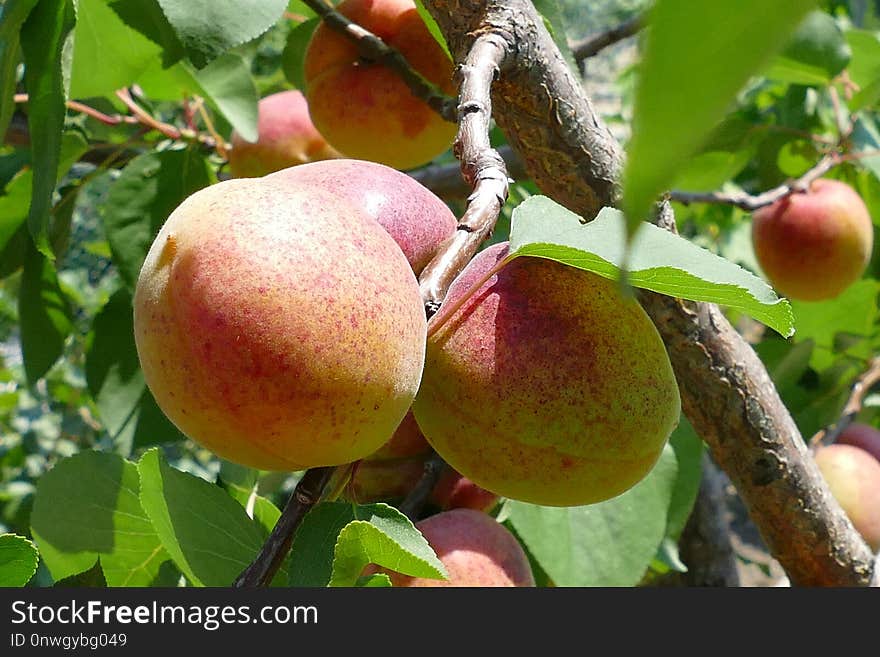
<point>166,129</point>
<point>373,48</point>
<point>220,144</point>
<point>306,494</point>
<point>412,504</point>
<point>749,202</point>
<point>446,182</point>
<point>592,45</point>
<point>76,106</point>
<point>859,390</point>
<point>481,166</point>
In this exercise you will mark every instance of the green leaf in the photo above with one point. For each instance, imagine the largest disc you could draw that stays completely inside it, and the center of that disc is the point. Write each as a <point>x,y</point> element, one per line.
<point>146,17</point>
<point>320,554</point>
<point>150,187</point>
<point>12,14</point>
<point>207,533</point>
<point>86,508</point>
<point>44,315</point>
<point>376,580</point>
<point>229,87</point>
<point>433,28</point>
<point>294,52</point>
<point>607,544</point>
<point>382,535</point>
<point>815,53</point>
<point>658,261</point>
<point>113,373</point>
<point>688,450</point>
<point>242,485</point>
<point>209,28</point>
<point>18,560</point>
<point>107,53</point>
<point>697,56</point>
<point>43,37</point>
<point>864,67</point>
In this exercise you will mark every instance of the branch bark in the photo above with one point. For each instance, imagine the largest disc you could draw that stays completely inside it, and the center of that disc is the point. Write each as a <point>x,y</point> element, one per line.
<point>594,44</point>
<point>726,391</point>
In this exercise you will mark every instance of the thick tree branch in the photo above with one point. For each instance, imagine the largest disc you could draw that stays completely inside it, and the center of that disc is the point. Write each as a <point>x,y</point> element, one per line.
<point>726,392</point>
<point>595,43</point>
<point>373,48</point>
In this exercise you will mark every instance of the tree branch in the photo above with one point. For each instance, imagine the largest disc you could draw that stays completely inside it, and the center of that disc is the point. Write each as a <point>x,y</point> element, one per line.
<point>373,48</point>
<point>595,43</point>
<point>414,501</point>
<point>859,390</point>
<point>726,391</point>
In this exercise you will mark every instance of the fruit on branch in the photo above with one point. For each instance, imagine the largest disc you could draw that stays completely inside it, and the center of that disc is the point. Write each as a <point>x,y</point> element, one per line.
<point>475,549</point>
<point>384,481</point>
<point>545,385</point>
<point>285,138</point>
<point>406,441</point>
<point>280,328</point>
<point>853,476</point>
<point>416,218</point>
<point>813,245</point>
<point>862,435</point>
<point>364,108</point>
<point>455,491</point>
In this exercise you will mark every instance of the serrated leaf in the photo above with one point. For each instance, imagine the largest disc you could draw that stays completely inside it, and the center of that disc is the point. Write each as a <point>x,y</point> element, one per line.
<point>12,14</point>
<point>697,56</point>
<point>383,536</point>
<point>209,28</point>
<point>44,315</point>
<point>150,187</point>
<point>658,261</point>
<point>87,507</point>
<point>207,533</point>
<point>18,560</point>
<point>376,580</point>
<point>607,544</point>
<point>228,85</point>
<point>107,53</point>
<point>43,37</point>
<point>294,52</point>
<point>815,53</point>
<point>113,374</point>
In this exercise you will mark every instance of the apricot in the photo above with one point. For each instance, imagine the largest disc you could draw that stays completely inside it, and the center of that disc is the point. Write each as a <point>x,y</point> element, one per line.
<point>475,549</point>
<point>407,441</point>
<point>862,435</point>
<point>280,328</point>
<point>814,245</point>
<point>853,476</point>
<point>389,480</point>
<point>454,491</point>
<point>545,384</point>
<point>285,138</point>
<point>417,219</point>
<point>363,108</point>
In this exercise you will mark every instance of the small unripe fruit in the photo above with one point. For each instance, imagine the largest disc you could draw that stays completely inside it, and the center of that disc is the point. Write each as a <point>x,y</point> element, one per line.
<point>814,245</point>
<point>853,476</point>
<point>413,215</point>
<point>384,481</point>
<point>363,108</point>
<point>475,549</point>
<point>281,329</point>
<point>406,442</point>
<point>454,491</point>
<point>285,138</point>
<point>545,385</point>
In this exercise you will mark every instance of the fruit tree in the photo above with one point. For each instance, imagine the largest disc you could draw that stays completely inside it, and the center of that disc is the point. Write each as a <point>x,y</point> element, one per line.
<point>430,293</point>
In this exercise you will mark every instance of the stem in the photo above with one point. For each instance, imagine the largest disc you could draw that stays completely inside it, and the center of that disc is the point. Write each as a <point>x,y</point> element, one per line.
<point>412,504</point>
<point>596,43</point>
<point>860,388</point>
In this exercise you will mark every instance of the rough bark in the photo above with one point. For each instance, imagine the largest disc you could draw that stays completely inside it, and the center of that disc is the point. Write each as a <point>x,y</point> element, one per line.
<point>726,392</point>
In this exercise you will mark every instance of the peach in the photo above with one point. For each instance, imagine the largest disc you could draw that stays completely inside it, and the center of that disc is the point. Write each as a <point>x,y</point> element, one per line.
<point>814,245</point>
<point>545,384</point>
<point>454,491</point>
<point>285,138</point>
<point>363,108</point>
<point>862,435</point>
<point>475,549</point>
<point>281,329</point>
<point>853,476</point>
<point>417,219</point>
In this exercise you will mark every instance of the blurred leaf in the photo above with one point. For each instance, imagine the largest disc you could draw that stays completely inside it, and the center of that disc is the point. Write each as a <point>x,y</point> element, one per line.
<point>796,157</point>
<point>150,187</point>
<point>552,15</point>
<point>433,28</point>
<point>294,52</point>
<point>87,507</point>
<point>866,138</point>
<point>12,14</point>
<point>146,17</point>
<point>206,532</point>
<point>815,53</point>
<point>688,450</point>
<point>658,261</point>
<point>382,535</point>
<point>209,28</point>
<point>864,68</point>
<point>228,85</point>
<point>697,56</point>
<point>114,377</point>
<point>707,171</point>
<point>607,544</point>
<point>107,53</point>
<point>44,315</point>
<point>43,37</point>
<point>18,560</point>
